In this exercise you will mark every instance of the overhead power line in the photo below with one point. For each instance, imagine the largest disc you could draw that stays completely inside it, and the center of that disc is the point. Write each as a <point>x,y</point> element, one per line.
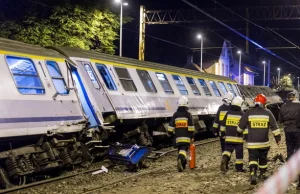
<point>240,34</point>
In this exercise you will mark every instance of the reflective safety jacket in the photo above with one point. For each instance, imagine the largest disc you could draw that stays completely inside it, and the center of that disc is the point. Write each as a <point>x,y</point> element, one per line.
<point>230,124</point>
<point>182,126</point>
<point>259,120</point>
<point>219,117</point>
<point>289,116</point>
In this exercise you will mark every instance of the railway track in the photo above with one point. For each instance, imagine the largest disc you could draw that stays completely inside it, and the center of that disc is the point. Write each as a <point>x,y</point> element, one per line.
<point>51,180</point>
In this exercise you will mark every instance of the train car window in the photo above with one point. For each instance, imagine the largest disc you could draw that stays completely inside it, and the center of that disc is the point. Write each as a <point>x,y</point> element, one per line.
<point>146,80</point>
<point>57,78</point>
<point>222,86</point>
<point>165,83</point>
<point>180,85</point>
<point>205,87</point>
<point>92,75</point>
<point>109,82</point>
<point>25,75</point>
<point>231,89</point>
<point>215,88</point>
<point>193,85</point>
<point>236,90</point>
<point>125,79</point>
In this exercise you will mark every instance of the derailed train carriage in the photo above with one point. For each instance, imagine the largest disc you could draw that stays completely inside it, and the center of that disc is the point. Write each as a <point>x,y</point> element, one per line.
<point>129,92</point>
<point>59,104</point>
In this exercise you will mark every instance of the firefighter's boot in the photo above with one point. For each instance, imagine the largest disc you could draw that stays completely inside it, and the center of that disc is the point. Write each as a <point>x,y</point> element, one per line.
<point>224,163</point>
<point>239,168</point>
<point>253,176</point>
<point>179,165</point>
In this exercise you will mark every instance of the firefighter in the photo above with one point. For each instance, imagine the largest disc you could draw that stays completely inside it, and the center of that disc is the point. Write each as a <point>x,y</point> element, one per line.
<point>182,127</point>
<point>233,139</point>
<point>220,116</point>
<point>289,115</point>
<point>259,120</point>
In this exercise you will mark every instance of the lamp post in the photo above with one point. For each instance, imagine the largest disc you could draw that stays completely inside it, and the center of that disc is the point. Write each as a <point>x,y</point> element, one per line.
<point>121,23</point>
<point>240,60</point>
<point>278,75</point>
<point>264,63</point>
<point>199,36</point>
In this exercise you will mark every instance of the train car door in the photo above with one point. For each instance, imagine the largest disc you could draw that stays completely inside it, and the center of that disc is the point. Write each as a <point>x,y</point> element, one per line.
<point>84,99</point>
<point>95,87</point>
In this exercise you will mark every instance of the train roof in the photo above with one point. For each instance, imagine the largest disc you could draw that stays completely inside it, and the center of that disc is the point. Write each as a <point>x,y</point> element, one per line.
<point>24,48</point>
<point>80,53</point>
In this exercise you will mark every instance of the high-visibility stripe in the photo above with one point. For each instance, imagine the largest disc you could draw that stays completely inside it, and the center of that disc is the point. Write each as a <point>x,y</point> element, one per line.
<point>222,128</point>
<point>276,132</point>
<point>234,139</point>
<point>215,125</point>
<point>183,140</point>
<point>222,115</point>
<point>227,153</point>
<point>245,132</point>
<point>181,118</point>
<point>171,129</point>
<point>253,163</point>
<point>234,117</point>
<point>258,145</point>
<point>258,117</point>
<point>239,161</point>
<point>191,128</point>
<point>182,152</point>
<point>264,166</point>
<point>239,130</point>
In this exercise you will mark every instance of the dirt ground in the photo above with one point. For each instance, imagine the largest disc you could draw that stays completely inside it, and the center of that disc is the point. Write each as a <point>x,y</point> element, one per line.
<point>206,178</point>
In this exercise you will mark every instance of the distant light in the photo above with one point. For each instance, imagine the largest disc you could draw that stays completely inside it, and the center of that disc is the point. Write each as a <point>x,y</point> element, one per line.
<point>264,62</point>
<point>278,69</point>
<point>118,1</point>
<point>199,36</point>
<point>239,52</point>
<point>297,77</point>
<point>125,3</point>
<point>289,74</point>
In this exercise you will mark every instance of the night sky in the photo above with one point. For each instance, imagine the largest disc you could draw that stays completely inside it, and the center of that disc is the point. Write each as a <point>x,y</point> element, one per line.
<point>184,34</point>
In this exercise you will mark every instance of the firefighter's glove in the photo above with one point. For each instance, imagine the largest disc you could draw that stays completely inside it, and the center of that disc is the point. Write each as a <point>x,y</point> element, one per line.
<point>245,137</point>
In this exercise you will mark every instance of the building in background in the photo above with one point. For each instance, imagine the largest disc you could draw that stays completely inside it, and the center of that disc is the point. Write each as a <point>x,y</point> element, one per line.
<point>226,65</point>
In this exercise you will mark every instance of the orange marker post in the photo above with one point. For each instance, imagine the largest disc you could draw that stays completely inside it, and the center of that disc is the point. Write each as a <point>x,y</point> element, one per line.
<point>192,156</point>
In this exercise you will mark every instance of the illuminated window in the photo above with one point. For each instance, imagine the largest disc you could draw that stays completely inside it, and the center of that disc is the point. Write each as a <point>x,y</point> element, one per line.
<point>215,88</point>
<point>180,85</point>
<point>193,86</point>
<point>109,82</point>
<point>25,75</point>
<point>165,83</point>
<point>231,89</point>
<point>146,80</point>
<point>222,86</point>
<point>205,87</point>
<point>92,75</point>
<point>57,78</point>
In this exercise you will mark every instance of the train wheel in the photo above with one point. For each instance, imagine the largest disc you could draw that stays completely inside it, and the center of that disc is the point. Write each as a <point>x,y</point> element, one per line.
<point>8,183</point>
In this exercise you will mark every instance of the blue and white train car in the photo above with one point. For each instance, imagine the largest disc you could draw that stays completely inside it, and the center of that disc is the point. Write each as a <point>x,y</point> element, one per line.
<point>128,91</point>
<point>37,97</point>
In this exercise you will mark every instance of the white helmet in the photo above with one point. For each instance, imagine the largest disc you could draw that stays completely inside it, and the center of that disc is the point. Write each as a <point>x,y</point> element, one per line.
<point>237,101</point>
<point>183,101</point>
<point>228,97</point>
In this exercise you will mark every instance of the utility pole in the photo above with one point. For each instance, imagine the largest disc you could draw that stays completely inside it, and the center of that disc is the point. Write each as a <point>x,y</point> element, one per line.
<point>269,71</point>
<point>247,31</point>
<point>142,33</point>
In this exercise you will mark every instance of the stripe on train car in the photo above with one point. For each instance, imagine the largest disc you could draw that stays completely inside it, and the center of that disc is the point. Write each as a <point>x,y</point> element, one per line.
<point>140,108</point>
<point>31,56</point>
<point>38,119</point>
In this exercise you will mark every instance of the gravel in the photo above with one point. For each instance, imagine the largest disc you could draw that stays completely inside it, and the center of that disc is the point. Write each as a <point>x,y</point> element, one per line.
<point>206,178</point>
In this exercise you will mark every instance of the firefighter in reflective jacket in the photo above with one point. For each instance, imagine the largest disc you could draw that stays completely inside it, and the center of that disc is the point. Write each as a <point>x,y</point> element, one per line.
<point>182,127</point>
<point>233,139</point>
<point>220,116</point>
<point>259,120</point>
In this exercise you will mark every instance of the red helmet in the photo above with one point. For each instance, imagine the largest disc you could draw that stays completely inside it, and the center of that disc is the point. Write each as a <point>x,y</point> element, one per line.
<point>260,98</point>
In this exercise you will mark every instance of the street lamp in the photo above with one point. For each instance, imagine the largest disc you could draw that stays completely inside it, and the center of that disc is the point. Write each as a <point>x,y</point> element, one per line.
<point>121,23</point>
<point>240,60</point>
<point>199,36</point>
<point>264,63</point>
<point>278,75</point>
